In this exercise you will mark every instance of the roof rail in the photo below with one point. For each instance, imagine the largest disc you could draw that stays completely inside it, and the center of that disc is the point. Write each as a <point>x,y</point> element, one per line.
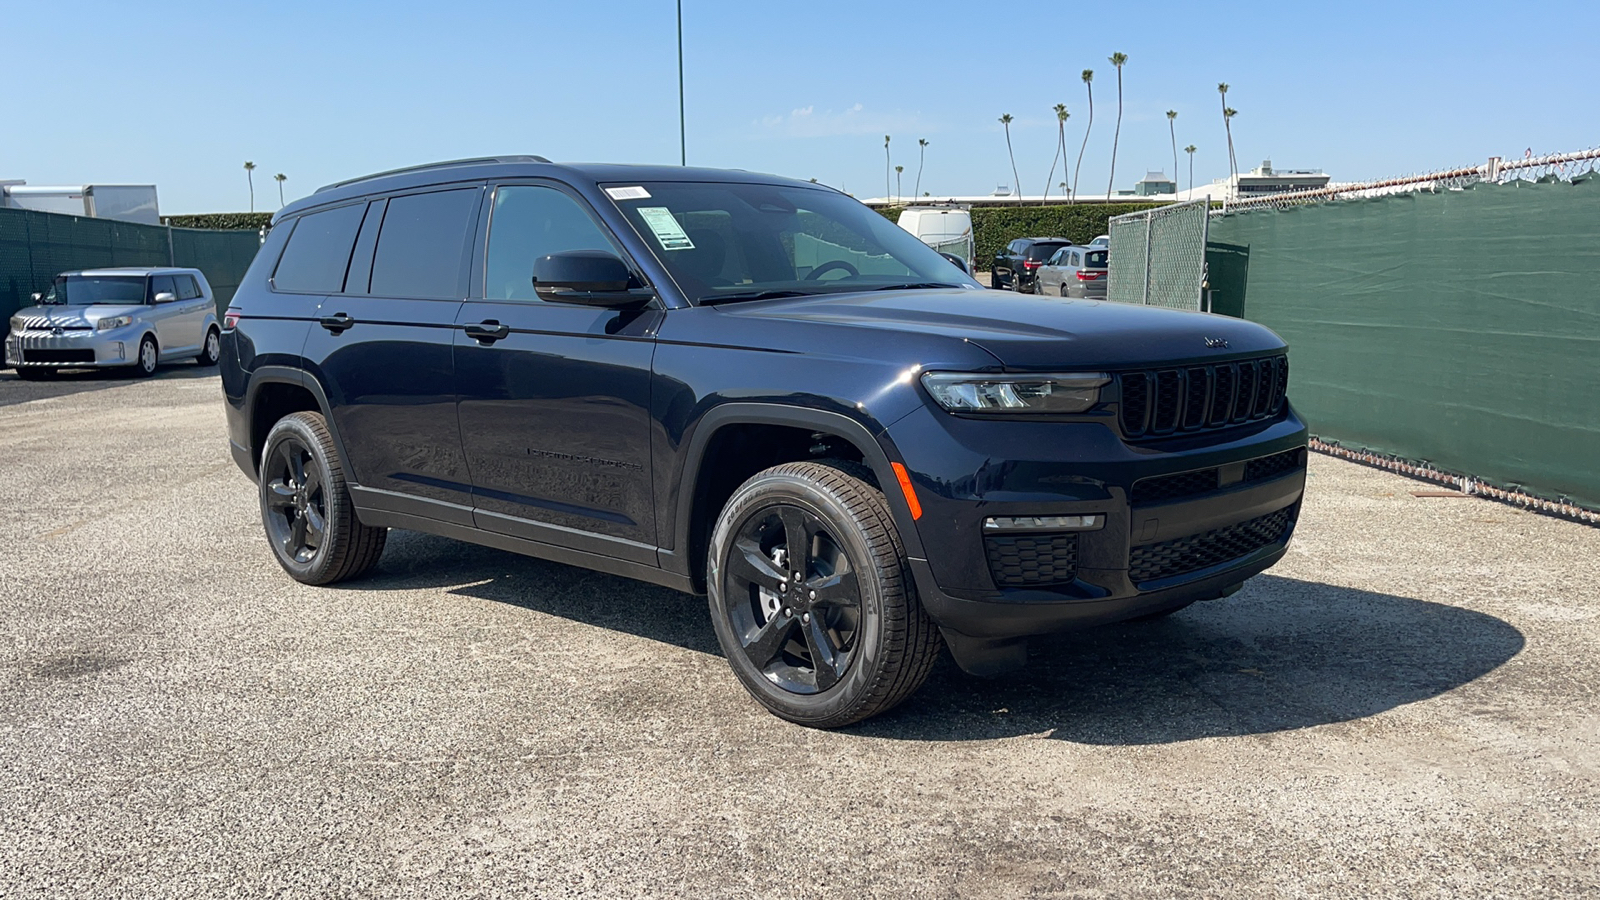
<point>436,165</point>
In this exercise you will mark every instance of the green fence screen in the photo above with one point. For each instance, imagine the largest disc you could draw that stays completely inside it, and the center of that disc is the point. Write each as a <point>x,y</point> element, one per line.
<point>35,246</point>
<point>1460,327</point>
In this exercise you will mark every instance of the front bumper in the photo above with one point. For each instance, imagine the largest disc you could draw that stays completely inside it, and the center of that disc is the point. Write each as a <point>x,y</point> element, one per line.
<point>73,349</point>
<point>1168,537</point>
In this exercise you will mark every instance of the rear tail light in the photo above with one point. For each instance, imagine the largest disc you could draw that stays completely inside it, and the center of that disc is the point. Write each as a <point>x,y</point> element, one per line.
<point>1087,276</point>
<point>230,319</point>
<point>1030,264</point>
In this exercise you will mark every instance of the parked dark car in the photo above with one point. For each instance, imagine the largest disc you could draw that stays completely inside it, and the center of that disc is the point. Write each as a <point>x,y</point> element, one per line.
<point>753,388</point>
<point>1015,267</point>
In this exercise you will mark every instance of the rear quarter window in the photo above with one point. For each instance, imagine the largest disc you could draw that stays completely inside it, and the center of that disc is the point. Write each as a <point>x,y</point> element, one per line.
<point>318,251</point>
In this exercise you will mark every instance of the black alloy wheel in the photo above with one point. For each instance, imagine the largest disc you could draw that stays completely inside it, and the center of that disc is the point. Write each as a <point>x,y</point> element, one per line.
<point>810,597</point>
<point>306,508</point>
<point>297,510</point>
<point>793,599</point>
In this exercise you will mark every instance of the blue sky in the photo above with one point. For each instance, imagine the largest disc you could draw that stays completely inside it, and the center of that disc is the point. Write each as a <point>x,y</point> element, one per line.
<point>180,94</point>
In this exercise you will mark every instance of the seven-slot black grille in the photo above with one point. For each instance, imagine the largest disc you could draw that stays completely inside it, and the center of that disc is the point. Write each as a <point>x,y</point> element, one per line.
<point>1166,488</point>
<point>1160,402</point>
<point>1198,551</point>
<point>1031,560</point>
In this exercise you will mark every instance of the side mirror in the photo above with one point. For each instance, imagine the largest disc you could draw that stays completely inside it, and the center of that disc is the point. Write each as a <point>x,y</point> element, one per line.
<point>166,297</point>
<point>587,277</point>
<point>958,261</point>
<point>37,296</point>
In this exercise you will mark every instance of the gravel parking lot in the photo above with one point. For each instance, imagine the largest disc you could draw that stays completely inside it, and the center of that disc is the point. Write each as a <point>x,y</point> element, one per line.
<point>1406,706</point>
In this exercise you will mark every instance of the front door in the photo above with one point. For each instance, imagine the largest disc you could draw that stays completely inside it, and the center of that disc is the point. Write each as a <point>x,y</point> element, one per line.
<point>555,412</point>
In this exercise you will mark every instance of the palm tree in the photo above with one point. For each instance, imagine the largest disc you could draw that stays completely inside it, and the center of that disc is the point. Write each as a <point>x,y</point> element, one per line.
<point>1222,90</point>
<point>1088,84</point>
<point>1117,59</point>
<point>886,164</point>
<point>1061,147</point>
<point>1172,116</point>
<point>922,158</point>
<point>249,174</point>
<point>1015,181</point>
<point>897,172</point>
<point>280,178</point>
<point>1189,150</point>
<point>1228,113</point>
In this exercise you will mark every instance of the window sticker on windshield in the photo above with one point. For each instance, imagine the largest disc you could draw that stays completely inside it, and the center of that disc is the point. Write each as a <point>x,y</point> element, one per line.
<point>666,228</point>
<point>628,193</point>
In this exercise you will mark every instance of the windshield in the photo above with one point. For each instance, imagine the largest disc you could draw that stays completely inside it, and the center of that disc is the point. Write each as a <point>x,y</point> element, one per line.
<point>727,242</point>
<point>83,290</point>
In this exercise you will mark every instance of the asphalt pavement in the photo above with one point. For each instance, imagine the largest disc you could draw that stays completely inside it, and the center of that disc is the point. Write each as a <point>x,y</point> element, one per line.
<point>1406,706</point>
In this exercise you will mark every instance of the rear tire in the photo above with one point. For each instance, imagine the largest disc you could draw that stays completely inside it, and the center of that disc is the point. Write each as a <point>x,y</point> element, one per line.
<point>1064,289</point>
<point>29,373</point>
<point>210,348</point>
<point>306,508</point>
<point>846,639</point>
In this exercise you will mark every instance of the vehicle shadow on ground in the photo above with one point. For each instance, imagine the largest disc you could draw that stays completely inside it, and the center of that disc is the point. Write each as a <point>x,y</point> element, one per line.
<point>13,389</point>
<point>1281,654</point>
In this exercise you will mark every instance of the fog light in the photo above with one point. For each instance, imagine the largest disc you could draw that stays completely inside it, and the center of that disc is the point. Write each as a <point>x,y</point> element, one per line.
<point>1043,523</point>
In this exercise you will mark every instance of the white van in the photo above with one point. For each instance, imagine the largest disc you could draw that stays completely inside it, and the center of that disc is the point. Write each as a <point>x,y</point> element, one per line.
<point>947,229</point>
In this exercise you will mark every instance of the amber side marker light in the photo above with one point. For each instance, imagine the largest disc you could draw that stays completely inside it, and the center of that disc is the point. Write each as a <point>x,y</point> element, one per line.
<point>904,478</point>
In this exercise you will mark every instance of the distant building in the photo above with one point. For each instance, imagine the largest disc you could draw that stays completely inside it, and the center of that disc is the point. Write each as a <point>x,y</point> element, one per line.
<point>1154,183</point>
<point>1264,180</point>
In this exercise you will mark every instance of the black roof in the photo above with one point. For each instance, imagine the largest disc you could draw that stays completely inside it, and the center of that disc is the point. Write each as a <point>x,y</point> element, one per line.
<point>520,167</point>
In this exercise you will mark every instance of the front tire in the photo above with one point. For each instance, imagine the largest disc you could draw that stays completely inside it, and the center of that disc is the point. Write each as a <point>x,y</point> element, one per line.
<point>144,365</point>
<point>831,633</point>
<point>306,509</point>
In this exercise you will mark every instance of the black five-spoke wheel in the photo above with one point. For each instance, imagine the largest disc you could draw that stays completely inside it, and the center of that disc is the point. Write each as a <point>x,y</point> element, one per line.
<point>306,507</point>
<point>793,599</point>
<point>810,597</point>
<point>297,515</point>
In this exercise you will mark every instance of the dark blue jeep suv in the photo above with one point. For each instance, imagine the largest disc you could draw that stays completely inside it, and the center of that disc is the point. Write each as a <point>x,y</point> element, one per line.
<point>754,388</point>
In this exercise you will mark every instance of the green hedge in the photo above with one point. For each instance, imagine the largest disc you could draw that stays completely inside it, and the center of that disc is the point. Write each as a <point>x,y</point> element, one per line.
<point>221,221</point>
<point>995,226</point>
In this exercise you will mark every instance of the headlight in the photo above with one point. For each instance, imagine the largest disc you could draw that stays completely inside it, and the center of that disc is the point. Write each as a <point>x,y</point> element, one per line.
<point>1072,392</point>
<point>16,324</point>
<point>111,322</point>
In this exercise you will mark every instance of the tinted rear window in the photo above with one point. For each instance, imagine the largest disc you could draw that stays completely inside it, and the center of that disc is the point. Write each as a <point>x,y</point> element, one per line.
<point>1095,259</point>
<point>318,251</point>
<point>1043,251</point>
<point>421,243</point>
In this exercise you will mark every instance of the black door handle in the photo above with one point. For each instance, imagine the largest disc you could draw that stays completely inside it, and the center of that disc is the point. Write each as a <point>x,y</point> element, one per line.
<point>337,322</point>
<point>487,332</point>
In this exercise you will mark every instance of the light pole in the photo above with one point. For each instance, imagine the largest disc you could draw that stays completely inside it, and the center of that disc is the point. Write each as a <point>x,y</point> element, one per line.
<point>683,146</point>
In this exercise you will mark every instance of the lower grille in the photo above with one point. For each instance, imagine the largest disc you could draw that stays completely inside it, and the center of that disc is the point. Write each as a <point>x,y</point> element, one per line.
<point>57,356</point>
<point>1199,551</point>
<point>1166,488</point>
<point>1031,560</point>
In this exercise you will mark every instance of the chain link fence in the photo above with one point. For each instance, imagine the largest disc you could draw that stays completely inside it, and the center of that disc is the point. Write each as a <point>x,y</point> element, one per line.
<point>1157,257</point>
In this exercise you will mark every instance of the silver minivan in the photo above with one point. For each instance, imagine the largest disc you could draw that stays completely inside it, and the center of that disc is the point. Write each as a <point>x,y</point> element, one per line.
<point>99,318</point>
<point>1073,272</point>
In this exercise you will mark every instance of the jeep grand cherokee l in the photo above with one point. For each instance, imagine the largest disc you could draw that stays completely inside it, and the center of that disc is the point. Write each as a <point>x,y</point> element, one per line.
<point>753,388</point>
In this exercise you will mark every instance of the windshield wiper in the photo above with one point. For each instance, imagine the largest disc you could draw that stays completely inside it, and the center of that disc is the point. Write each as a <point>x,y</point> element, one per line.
<point>918,286</point>
<point>714,299</point>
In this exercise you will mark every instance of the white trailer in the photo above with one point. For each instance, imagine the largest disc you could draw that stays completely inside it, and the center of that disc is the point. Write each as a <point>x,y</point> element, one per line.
<point>123,202</point>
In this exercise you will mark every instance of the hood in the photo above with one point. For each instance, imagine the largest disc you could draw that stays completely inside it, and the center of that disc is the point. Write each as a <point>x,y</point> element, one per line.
<point>70,317</point>
<point>1032,332</point>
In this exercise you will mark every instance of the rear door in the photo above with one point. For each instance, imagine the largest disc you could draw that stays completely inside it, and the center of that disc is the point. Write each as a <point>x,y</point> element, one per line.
<point>555,410</point>
<point>166,316</point>
<point>193,307</point>
<point>381,347</point>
